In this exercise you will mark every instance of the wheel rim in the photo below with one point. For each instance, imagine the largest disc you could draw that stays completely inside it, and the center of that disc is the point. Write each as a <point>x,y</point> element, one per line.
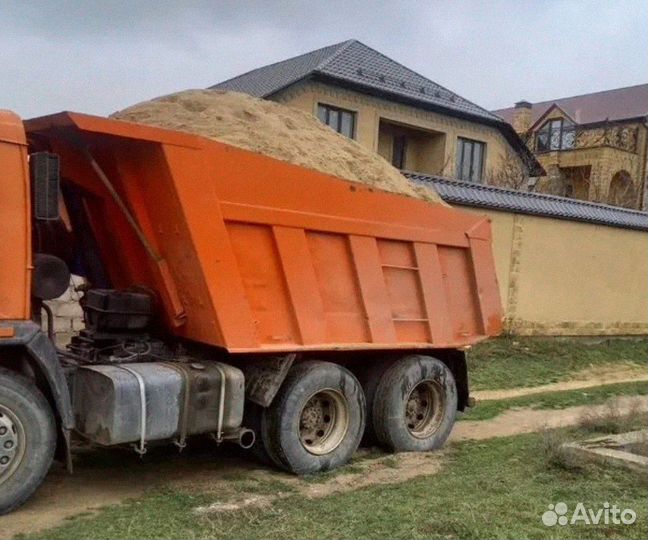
<point>323,421</point>
<point>12,443</point>
<point>425,409</point>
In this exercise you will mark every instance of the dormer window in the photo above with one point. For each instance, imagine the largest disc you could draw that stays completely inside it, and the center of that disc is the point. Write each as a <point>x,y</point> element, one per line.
<point>556,134</point>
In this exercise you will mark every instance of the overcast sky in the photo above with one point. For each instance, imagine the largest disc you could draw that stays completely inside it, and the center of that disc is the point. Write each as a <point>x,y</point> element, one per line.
<point>100,56</point>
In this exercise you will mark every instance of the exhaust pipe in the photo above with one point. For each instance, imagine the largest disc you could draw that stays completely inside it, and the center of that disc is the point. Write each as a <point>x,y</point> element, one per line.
<point>244,437</point>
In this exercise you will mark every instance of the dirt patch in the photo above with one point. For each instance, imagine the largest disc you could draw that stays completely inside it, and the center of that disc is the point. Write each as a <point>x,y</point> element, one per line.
<point>389,469</point>
<point>275,130</point>
<point>113,476</point>
<point>62,496</point>
<point>589,378</point>
<point>258,501</point>
<point>515,422</point>
<point>109,477</point>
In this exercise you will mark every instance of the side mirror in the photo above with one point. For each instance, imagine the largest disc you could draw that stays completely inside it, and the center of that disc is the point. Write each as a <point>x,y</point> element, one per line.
<point>45,177</point>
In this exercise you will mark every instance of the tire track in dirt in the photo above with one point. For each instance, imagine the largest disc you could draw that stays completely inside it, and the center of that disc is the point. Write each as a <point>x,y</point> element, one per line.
<point>385,469</point>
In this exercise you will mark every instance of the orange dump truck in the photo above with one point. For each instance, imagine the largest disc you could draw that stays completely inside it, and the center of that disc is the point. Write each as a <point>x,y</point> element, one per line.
<point>227,293</point>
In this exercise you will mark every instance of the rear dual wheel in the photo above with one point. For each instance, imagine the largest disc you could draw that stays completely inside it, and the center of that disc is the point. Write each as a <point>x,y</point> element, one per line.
<point>413,404</point>
<point>317,419</point>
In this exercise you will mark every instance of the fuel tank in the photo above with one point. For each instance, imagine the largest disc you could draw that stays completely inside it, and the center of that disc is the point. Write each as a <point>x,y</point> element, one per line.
<point>141,402</point>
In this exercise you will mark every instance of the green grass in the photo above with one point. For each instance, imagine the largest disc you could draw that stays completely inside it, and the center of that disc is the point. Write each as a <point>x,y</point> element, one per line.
<point>485,410</point>
<point>522,362</point>
<point>488,489</point>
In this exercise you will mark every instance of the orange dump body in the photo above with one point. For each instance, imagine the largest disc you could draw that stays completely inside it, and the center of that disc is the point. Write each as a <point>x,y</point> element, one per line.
<point>258,255</point>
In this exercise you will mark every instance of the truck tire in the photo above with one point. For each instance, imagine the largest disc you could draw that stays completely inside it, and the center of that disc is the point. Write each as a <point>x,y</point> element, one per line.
<point>27,439</point>
<point>317,419</point>
<point>415,405</point>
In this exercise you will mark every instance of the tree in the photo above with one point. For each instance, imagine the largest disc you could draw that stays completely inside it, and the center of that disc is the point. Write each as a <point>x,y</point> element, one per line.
<point>511,173</point>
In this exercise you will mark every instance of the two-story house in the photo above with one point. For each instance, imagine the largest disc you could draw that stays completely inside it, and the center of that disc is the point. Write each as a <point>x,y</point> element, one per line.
<point>411,121</point>
<point>593,147</point>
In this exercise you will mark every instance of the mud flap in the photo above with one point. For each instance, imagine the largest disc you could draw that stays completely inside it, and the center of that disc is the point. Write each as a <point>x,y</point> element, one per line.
<point>455,359</point>
<point>264,376</point>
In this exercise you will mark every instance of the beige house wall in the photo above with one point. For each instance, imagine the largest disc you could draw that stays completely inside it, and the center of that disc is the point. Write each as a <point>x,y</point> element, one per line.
<point>560,277</point>
<point>438,157</point>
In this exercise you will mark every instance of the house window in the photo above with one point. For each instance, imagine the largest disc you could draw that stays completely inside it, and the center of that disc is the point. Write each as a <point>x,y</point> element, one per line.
<point>470,159</point>
<point>555,134</point>
<point>340,120</point>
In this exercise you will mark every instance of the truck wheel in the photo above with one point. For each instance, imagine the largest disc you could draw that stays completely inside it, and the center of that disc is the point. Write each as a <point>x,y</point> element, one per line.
<point>415,405</point>
<point>317,419</point>
<point>27,439</point>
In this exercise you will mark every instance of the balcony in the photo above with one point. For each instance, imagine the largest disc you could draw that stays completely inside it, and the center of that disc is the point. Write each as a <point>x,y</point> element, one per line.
<point>562,138</point>
<point>412,148</point>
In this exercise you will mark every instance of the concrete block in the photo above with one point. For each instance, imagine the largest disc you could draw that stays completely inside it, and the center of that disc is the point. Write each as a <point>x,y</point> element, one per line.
<point>627,450</point>
<point>62,324</point>
<point>78,324</point>
<point>72,310</point>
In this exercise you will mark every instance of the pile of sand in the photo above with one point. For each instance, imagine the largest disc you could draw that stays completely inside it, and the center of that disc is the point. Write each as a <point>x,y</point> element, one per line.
<point>275,130</point>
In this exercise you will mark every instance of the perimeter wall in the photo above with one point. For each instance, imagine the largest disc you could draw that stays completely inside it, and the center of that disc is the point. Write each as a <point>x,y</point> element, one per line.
<point>563,277</point>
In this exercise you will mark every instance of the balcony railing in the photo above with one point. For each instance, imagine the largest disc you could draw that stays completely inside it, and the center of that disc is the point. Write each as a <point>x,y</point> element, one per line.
<point>576,137</point>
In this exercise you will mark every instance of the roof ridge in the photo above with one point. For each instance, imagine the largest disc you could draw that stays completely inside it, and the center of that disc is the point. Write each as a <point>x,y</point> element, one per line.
<point>594,93</point>
<point>344,46</point>
<point>292,58</point>
<point>554,100</point>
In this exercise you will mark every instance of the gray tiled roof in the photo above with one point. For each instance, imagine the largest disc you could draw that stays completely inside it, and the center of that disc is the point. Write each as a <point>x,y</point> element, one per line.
<point>265,81</point>
<point>478,195</point>
<point>354,63</point>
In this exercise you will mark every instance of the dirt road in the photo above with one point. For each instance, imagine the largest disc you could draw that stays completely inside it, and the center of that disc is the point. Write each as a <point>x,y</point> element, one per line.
<point>587,379</point>
<point>515,422</point>
<point>110,477</point>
